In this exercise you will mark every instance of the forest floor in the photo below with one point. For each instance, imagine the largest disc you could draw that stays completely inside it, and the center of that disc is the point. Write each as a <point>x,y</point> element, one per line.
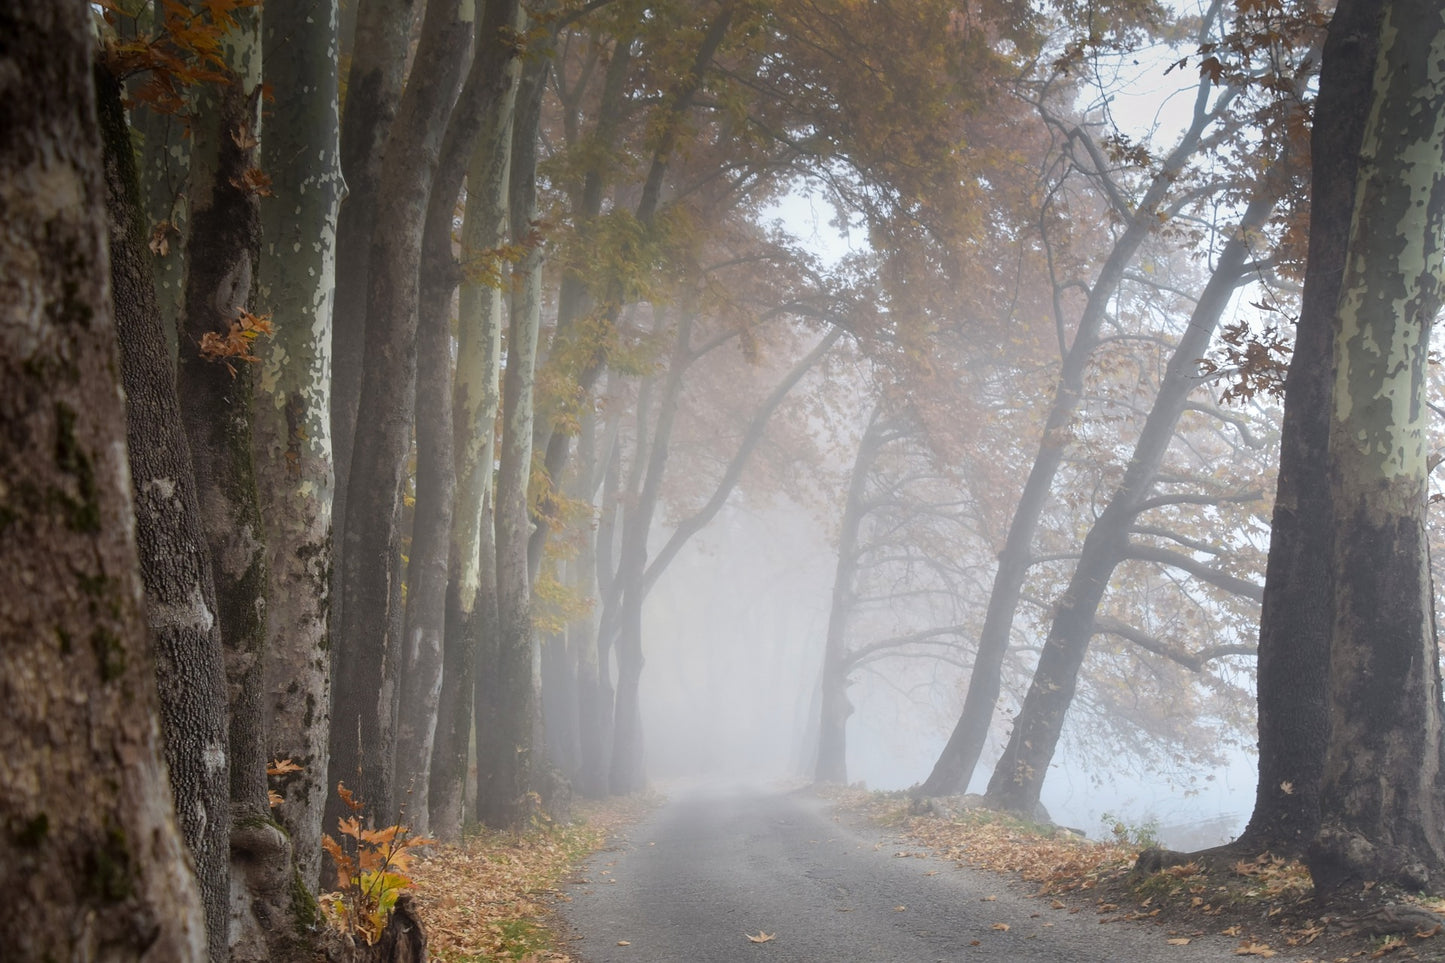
<point>1267,904</point>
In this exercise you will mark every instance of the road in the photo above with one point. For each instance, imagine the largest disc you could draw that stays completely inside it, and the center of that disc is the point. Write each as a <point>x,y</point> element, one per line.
<point>714,865</point>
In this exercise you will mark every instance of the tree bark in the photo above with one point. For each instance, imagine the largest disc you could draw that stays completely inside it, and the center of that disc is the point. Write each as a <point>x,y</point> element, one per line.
<point>1382,806</point>
<point>1019,775</point>
<point>507,762</point>
<point>471,577</point>
<point>1297,615</point>
<point>373,90</point>
<point>91,858</point>
<point>217,411</point>
<point>366,646</point>
<point>292,432</point>
<point>174,565</point>
<point>428,576</point>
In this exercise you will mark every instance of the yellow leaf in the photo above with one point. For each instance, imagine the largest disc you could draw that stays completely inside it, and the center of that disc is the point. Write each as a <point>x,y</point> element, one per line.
<point>623,943</point>
<point>761,937</point>
<point>1178,941</point>
<point>1001,927</point>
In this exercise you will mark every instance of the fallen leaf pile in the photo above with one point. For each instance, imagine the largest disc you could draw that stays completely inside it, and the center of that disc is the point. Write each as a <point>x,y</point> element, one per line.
<point>490,897</point>
<point>1259,902</point>
<point>1058,861</point>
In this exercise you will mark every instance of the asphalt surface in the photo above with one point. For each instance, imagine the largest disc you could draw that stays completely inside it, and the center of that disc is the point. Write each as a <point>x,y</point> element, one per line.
<point>717,864</point>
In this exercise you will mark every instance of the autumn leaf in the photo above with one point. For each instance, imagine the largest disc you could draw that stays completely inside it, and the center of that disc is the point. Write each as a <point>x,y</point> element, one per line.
<point>1001,927</point>
<point>761,937</point>
<point>624,943</point>
<point>1248,948</point>
<point>1178,941</point>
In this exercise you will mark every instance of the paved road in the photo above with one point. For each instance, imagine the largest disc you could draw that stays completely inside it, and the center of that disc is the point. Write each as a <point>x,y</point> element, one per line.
<point>713,865</point>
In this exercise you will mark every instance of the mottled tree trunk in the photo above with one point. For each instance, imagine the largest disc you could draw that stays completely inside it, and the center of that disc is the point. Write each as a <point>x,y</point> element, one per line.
<point>292,432</point>
<point>175,567</point>
<point>428,574</point>
<point>507,754</point>
<point>471,577</point>
<point>216,408</point>
<point>1297,615</point>
<point>366,647</point>
<point>1382,807</point>
<point>92,862</point>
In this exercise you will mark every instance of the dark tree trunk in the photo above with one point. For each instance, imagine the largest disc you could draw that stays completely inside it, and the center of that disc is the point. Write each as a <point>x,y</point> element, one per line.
<point>1020,773</point>
<point>834,708</point>
<point>216,409</point>
<point>91,860</point>
<point>507,763</point>
<point>180,598</point>
<point>373,88</point>
<point>365,644</point>
<point>1296,618</point>
<point>1382,798</point>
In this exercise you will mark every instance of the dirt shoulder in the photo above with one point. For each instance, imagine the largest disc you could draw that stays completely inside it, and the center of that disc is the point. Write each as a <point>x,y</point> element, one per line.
<point>1266,904</point>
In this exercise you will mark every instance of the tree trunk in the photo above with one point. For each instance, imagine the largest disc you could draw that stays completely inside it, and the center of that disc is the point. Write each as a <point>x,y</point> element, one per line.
<point>366,648</point>
<point>834,706</point>
<point>373,90</point>
<point>1019,775</point>
<point>1296,618</point>
<point>292,436</point>
<point>628,773</point>
<point>506,756</point>
<point>92,861</point>
<point>428,574</point>
<point>175,569</point>
<point>955,765</point>
<point>216,408</point>
<point>471,575</point>
<point>1382,808</point>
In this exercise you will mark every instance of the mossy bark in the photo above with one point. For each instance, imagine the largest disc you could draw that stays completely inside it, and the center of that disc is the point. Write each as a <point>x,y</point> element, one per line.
<point>91,858</point>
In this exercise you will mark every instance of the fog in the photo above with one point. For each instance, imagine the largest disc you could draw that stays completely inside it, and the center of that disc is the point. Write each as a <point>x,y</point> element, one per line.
<point>735,631</point>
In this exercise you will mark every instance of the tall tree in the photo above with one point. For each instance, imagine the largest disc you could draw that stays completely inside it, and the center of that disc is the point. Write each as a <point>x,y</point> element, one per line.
<point>508,748</point>
<point>1382,798</point>
<point>1019,774</point>
<point>1297,613</point>
<point>90,831</point>
<point>175,565</point>
<point>429,567</point>
<point>956,763</point>
<point>292,432</point>
<point>366,651</point>
<point>476,396</point>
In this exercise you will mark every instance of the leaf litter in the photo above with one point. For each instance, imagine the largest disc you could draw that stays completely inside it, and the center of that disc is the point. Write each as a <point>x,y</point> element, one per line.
<point>492,896</point>
<point>1266,903</point>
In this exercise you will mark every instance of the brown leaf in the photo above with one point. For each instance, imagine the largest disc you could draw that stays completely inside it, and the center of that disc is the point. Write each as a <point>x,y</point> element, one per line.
<point>1002,927</point>
<point>1178,941</point>
<point>1248,948</point>
<point>761,937</point>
